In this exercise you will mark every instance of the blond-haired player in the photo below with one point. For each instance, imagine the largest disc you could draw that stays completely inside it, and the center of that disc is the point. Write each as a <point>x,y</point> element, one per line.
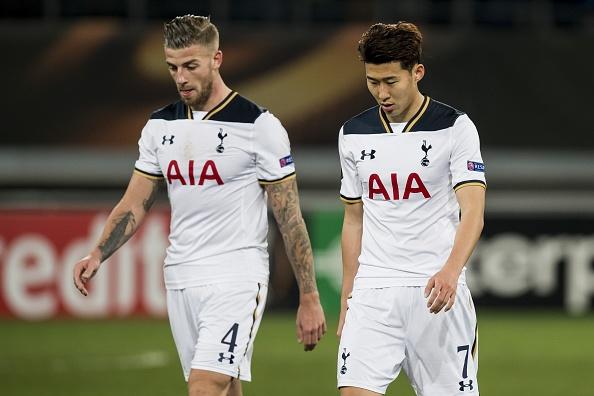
<point>220,156</point>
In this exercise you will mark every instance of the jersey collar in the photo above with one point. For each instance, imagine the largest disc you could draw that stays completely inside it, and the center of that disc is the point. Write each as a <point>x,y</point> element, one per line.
<point>411,123</point>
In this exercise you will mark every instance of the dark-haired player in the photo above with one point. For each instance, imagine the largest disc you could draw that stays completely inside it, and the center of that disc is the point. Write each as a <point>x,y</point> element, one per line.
<point>414,187</point>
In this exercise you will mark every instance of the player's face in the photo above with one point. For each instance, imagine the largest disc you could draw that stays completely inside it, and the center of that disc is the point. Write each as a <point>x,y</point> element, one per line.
<point>395,89</point>
<point>193,69</point>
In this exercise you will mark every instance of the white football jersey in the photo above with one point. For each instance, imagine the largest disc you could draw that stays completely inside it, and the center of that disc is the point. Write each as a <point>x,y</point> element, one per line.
<point>214,168</point>
<point>407,182</point>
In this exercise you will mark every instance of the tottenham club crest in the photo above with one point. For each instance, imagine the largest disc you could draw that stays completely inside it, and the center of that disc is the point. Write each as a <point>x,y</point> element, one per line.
<point>220,147</point>
<point>425,148</point>
<point>345,355</point>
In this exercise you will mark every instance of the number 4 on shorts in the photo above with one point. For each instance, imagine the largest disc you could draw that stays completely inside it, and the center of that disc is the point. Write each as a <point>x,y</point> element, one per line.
<point>232,334</point>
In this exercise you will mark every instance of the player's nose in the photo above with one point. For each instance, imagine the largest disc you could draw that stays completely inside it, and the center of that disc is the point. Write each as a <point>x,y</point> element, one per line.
<point>180,78</point>
<point>383,93</point>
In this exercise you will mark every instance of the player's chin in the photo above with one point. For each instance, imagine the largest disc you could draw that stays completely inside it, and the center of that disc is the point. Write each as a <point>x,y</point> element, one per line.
<point>187,101</point>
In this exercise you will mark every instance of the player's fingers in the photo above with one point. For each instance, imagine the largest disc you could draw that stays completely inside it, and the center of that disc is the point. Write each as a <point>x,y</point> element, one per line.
<point>340,323</point>
<point>438,302</point>
<point>429,286</point>
<point>77,280</point>
<point>442,301</point>
<point>76,276</point>
<point>433,296</point>
<point>88,274</point>
<point>309,347</point>
<point>321,330</point>
<point>310,337</point>
<point>339,328</point>
<point>299,332</point>
<point>451,302</point>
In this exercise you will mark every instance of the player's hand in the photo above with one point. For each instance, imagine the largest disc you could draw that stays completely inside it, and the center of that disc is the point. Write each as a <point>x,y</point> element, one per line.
<point>84,270</point>
<point>311,323</point>
<point>343,311</point>
<point>441,290</point>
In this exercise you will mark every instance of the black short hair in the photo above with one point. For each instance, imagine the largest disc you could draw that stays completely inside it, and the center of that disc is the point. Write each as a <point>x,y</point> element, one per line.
<point>396,42</point>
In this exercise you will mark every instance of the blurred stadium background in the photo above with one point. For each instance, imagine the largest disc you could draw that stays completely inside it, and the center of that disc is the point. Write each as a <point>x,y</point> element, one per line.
<point>80,78</point>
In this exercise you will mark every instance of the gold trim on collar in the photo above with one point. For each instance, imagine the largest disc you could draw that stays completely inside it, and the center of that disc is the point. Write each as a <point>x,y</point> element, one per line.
<point>417,116</point>
<point>220,106</point>
<point>385,120</point>
<point>190,113</point>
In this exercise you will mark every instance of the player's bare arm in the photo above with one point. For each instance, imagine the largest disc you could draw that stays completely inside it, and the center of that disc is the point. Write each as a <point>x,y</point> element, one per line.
<point>441,288</point>
<point>352,231</point>
<point>122,223</point>
<point>284,199</point>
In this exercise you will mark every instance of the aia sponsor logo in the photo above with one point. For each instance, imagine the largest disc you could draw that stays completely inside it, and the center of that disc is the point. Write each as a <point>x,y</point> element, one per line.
<point>209,172</point>
<point>413,185</point>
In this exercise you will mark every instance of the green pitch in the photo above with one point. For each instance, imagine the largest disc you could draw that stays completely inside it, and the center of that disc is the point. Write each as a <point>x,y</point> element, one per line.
<point>524,353</point>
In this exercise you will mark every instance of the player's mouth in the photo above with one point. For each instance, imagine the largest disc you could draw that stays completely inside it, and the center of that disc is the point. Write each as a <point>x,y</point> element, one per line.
<point>388,107</point>
<point>186,92</point>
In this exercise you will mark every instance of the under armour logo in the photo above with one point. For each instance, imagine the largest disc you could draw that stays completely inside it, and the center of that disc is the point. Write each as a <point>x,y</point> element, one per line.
<point>220,147</point>
<point>345,355</point>
<point>223,357</point>
<point>463,386</point>
<point>165,139</point>
<point>425,160</point>
<point>371,155</point>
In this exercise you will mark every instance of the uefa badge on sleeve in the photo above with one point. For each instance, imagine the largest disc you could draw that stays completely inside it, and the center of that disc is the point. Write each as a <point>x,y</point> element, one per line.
<point>285,161</point>
<point>475,166</point>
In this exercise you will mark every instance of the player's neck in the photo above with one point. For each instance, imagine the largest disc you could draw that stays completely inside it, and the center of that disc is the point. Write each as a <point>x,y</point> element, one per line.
<point>219,92</point>
<point>410,111</point>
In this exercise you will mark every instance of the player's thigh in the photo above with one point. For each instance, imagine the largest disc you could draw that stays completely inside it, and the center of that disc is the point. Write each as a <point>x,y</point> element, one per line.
<point>214,326</point>
<point>372,343</point>
<point>228,323</point>
<point>441,350</point>
<point>208,383</point>
<point>182,313</point>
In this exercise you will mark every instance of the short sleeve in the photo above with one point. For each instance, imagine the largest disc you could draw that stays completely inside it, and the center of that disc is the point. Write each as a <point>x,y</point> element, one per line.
<point>274,162</point>
<point>466,162</point>
<point>147,163</point>
<point>350,185</point>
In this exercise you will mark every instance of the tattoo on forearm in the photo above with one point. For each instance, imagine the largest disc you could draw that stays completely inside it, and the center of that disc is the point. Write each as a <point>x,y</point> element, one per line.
<point>148,203</point>
<point>123,229</point>
<point>285,206</point>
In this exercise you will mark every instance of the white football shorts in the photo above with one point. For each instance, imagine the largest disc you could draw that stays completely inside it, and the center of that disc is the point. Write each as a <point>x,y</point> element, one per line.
<point>390,328</point>
<point>214,326</point>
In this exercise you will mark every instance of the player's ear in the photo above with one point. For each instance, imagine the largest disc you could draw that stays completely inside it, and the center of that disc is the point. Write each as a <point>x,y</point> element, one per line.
<point>217,59</point>
<point>418,72</point>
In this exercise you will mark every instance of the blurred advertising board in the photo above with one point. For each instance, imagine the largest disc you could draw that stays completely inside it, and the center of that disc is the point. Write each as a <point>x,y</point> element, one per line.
<point>39,248</point>
<point>519,262</point>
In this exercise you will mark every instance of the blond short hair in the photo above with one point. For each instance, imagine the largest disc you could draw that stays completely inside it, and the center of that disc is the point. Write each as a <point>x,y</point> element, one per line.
<point>187,30</point>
